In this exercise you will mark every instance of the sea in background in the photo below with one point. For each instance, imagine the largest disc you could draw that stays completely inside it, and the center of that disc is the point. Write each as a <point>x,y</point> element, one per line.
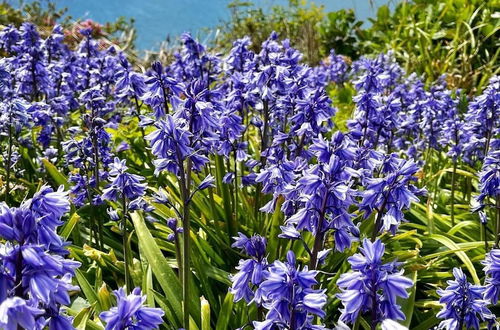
<point>155,20</point>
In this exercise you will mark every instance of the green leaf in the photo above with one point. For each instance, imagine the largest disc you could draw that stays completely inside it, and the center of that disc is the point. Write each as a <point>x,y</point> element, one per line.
<point>409,304</point>
<point>225,312</point>
<point>164,274</point>
<point>428,323</point>
<point>70,225</point>
<point>226,197</point>
<point>89,324</point>
<point>87,290</point>
<point>205,314</point>
<point>57,176</point>
<point>275,230</point>
<point>460,254</point>
<point>80,320</point>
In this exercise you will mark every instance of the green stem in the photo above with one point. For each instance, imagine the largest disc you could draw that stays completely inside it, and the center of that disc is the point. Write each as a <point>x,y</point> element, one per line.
<point>318,240</point>
<point>95,145</point>
<point>484,231</point>
<point>126,245</point>
<point>9,166</point>
<point>453,176</point>
<point>185,182</point>
<point>376,225</point>
<point>138,115</point>
<point>178,254</point>
<point>186,257</point>
<point>235,190</point>
<point>258,188</point>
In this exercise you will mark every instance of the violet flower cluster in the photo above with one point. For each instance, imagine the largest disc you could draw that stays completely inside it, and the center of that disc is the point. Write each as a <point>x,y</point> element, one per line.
<point>463,304</point>
<point>373,287</point>
<point>35,277</point>
<point>125,187</point>
<point>283,288</point>
<point>492,270</point>
<point>130,312</point>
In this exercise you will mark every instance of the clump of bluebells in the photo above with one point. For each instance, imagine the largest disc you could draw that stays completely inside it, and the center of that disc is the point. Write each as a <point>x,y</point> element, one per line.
<point>489,191</point>
<point>464,304</point>
<point>251,272</point>
<point>492,270</point>
<point>489,177</point>
<point>35,276</point>
<point>289,296</point>
<point>283,288</point>
<point>320,200</point>
<point>130,312</point>
<point>482,123</point>
<point>373,287</point>
<point>390,193</point>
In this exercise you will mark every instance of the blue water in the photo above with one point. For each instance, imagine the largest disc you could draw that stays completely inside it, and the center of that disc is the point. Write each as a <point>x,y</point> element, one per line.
<point>157,19</point>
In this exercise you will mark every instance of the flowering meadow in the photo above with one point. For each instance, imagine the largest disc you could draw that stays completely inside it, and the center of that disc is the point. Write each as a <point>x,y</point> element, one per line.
<point>242,190</point>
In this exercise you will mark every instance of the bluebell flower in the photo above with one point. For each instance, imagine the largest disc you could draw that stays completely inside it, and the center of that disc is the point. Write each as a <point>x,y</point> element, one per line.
<point>482,122</point>
<point>389,195</point>
<point>239,56</point>
<point>489,177</point>
<point>289,296</point>
<point>193,62</point>
<point>161,88</point>
<point>15,312</point>
<point>128,82</point>
<point>191,132</point>
<point>208,182</point>
<point>35,277</point>
<point>372,287</point>
<point>9,37</point>
<point>130,312</point>
<point>492,270</point>
<point>319,199</point>
<point>123,184</point>
<point>333,69</point>
<point>463,304</point>
<point>251,272</point>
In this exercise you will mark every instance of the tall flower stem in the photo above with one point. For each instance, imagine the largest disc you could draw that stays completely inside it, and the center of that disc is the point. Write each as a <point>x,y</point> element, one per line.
<point>92,229</point>
<point>264,131</point>
<point>484,235</point>
<point>235,190</point>
<point>186,260</point>
<point>376,225</point>
<point>178,254</point>
<point>95,147</point>
<point>138,115</point>
<point>185,182</point>
<point>293,318</point>
<point>462,315</point>
<point>318,240</point>
<point>19,272</point>
<point>9,165</point>
<point>453,178</point>
<point>126,245</point>
<point>374,320</point>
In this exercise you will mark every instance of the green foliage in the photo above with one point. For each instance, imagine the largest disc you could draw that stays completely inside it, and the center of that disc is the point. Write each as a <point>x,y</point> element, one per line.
<point>459,38</point>
<point>340,31</point>
<point>299,22</point>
